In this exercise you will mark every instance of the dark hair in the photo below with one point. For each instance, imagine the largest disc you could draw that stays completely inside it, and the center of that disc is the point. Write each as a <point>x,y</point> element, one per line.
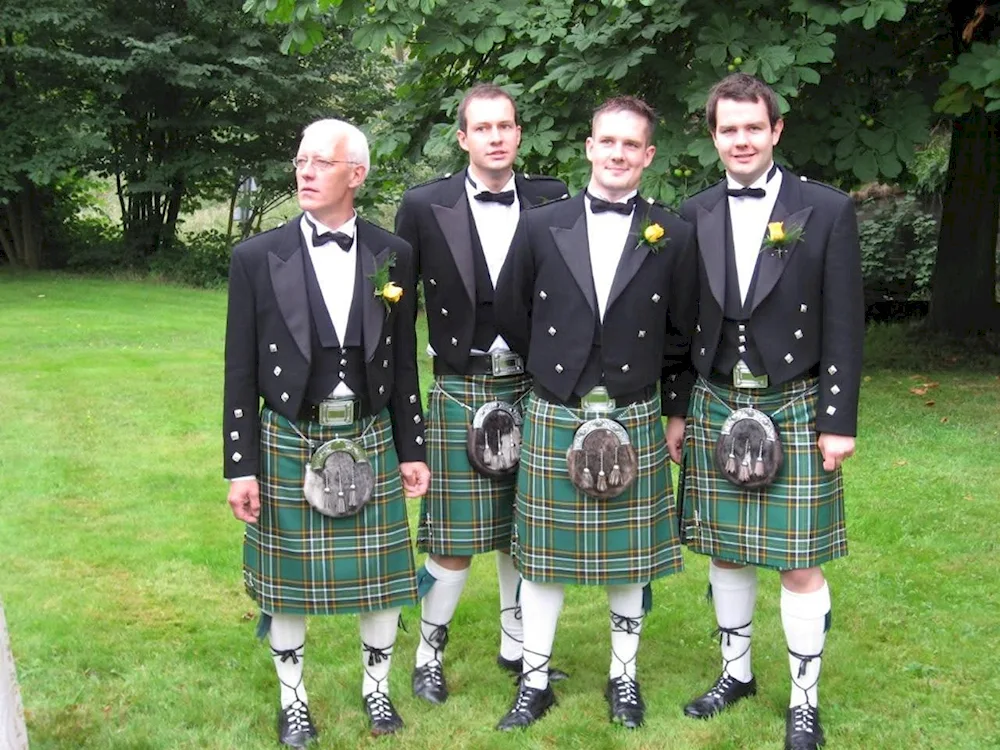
<point>741,87</point>
<point>632,104</point>
<point>482,91</point>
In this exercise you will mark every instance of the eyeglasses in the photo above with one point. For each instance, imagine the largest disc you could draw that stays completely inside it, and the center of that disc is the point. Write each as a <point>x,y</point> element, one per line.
<point>320,165</point>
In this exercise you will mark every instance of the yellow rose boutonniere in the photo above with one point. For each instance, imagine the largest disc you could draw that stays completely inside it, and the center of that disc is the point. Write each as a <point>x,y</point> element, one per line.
<point>779,238</point>
<point>652,234</point>
<point>388,291</point>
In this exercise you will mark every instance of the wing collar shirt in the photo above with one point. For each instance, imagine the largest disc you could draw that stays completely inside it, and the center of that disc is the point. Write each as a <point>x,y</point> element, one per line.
<point>749,217</point>
<point>336,272</point>
<point>607,233</point>
<point>495,224</point>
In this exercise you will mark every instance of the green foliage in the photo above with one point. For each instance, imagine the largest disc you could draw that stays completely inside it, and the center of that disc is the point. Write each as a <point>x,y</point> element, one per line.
<point>898,249</point>
<point>973,81</point>
<point>930,167</point>
<point>201,260</point>
<point>856,117</point>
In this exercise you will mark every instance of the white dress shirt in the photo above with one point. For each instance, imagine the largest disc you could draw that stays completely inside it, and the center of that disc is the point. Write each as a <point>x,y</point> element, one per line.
<point>606,236</point>
<point>749,218</point>
<point>336,272</point>
<point>495,225</point>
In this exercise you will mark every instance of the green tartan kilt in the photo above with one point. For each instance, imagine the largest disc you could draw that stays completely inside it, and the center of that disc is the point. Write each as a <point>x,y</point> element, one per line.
<point>463,512</point>
<point>565,536</point>
<point>795,522</point>
<point>299,561</point>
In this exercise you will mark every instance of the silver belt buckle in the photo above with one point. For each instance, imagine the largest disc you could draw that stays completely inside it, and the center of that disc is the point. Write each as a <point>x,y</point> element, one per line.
<point>743,378</point>
<point>506,363</point>
<point>597,399</point>
<point>337,412</point>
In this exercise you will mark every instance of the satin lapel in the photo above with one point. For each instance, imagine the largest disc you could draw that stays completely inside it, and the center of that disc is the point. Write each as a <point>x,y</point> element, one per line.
<point>457,230</point>
<point>632,256</point>
<point>771,265</point>
<point>373,308</point>
<point>288,280</point>
<point>712,246</point>
<point>574,247</point>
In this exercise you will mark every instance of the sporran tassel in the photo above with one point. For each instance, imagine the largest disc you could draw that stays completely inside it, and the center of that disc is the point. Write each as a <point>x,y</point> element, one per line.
<point>758,467</point>
<point>744,473</point>
<point>602,478</point>
<point>615,478</point>
<point>731,461</point>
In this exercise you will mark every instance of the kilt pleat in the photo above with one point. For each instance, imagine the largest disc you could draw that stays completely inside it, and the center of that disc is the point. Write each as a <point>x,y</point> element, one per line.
<point>795,522</point>
<point>299,561</point>
<point>565,536</point>
<point>463,512</point>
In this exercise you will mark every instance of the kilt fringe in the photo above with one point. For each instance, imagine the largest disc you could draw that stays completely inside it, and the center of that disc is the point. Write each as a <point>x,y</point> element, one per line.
<point>463,512</point>
<point>795,522</point>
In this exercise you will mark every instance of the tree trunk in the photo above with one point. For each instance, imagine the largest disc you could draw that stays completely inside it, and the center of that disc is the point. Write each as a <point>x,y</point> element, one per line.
<point>20,224</point>
<point>963,290</point>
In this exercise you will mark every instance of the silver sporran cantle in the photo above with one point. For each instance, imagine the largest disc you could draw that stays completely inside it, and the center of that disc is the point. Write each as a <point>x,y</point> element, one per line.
<point>493,441</point>
<point>339,479</point>
<point>601,461</point>
<point>748,451</point>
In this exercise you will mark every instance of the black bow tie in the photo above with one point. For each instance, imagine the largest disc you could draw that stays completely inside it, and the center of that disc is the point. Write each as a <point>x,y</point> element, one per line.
<point>506,197</point>
<point>749,192</point>
<point>599,205</point>
<point>746,192</point>
<point>344,240</point>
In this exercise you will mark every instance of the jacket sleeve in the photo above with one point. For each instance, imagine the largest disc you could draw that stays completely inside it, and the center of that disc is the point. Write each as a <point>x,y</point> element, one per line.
<point>404,402</point>
<point>843,328</point>
<point>241,413</point>
<point>513,295</point>
<point>677,378</point>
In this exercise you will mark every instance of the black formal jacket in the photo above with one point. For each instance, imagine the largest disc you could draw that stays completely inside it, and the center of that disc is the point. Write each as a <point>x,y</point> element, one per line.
<point>807,311</point>
<point>268,340</point>
<point>435,219</point>
<point>546,305</point>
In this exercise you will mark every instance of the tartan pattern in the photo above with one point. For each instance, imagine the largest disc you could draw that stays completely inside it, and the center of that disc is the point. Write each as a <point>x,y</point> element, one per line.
<point>795,522</point>
<point>298,561</point>
<point>463,512</point>
<point>565,536</point>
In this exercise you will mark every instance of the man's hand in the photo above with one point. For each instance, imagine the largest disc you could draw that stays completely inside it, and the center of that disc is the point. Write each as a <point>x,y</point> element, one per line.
<point>675,438</point>
<point>416,478</point>
<point>835,449</point>
<point>244,499</point>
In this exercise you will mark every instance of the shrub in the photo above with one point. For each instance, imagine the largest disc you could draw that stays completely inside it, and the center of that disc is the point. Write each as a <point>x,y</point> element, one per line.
<point>202,260</point>
<point>898,248</point>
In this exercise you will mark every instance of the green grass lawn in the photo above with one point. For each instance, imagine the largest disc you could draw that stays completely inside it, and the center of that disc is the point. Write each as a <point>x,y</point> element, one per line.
<point>120,563</point>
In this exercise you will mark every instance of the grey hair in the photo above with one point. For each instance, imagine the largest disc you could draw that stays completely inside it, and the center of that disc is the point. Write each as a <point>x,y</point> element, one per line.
<point>357,144</point>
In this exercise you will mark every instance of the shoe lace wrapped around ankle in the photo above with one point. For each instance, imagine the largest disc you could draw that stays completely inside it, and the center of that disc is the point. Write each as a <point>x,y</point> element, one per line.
<point>804,718</point>
<point>379,705</point>
<point>627,692</point>
<point>298,717</point>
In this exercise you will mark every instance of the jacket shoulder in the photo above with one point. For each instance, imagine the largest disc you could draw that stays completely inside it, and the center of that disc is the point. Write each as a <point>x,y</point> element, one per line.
<point>428,186</point>
<point>548,203</point>
<point>264,240</point>
<point>821,189</point>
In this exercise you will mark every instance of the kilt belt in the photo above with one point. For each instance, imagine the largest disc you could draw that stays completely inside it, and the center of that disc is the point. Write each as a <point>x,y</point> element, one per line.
<point>795,522</point>
<point>463,512</point>
<point>565,536</point>
<point>298,561</point>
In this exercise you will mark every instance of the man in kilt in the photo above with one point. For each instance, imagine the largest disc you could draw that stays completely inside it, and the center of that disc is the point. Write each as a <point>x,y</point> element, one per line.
<point>321,328</point>
<point>598,295</point>
<point>460,227</point>
<point>780,330</point>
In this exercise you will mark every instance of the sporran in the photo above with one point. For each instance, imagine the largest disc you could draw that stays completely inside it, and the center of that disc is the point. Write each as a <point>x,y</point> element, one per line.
<point>493,443</point>
<point>339,479</point>
<point>748,451</point>
<point>601,461</point>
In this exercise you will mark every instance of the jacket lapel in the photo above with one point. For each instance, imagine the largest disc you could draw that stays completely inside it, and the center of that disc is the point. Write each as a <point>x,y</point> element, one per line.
<point>712,244</point>
<point>573,245</point>
<point>770,266</point>
<point>452,216</point>
<point>632,256</point>
<point>373,309</point>
<point>288,281</point>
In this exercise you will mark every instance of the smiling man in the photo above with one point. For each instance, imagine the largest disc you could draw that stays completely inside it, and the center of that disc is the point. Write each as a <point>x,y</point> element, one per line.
<point>780,331</point>
<point>460,227</point>
<point>320,328</point>
<point>598,296</point>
